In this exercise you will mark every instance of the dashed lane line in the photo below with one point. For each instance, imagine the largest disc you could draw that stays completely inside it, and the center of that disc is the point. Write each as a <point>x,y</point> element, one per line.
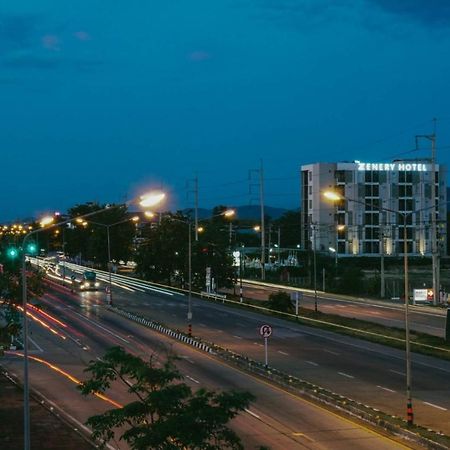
<point>386,389</point>
<point>345,375</point>
<point>435,406</point>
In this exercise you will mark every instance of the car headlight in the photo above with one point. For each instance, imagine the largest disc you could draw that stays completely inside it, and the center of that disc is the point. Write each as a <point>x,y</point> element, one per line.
<point>97,284</point>
<point>86,284</point>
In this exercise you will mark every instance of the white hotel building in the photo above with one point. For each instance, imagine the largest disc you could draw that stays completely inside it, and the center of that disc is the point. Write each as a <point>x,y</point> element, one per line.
<point>360,225</point>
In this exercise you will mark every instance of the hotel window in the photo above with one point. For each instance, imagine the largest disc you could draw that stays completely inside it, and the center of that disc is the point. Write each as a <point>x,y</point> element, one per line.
<point>405,204</point>
<point>372,190</point>
<point>405,177</point>
<point>405,190</point>
<point>372,176</point>
<point>340,176</point>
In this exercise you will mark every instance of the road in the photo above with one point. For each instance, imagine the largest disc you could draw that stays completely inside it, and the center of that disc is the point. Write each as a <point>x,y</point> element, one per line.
<point>390,313</point>
<point>370,373</point>
<point>75,328</point>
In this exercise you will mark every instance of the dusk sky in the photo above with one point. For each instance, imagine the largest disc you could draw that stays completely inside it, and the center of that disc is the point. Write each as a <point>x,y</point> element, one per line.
<point>100,99</point>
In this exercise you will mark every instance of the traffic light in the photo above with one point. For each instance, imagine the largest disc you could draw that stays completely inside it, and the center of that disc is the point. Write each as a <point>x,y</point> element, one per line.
<point>12,253</point>
<point>32,248</point>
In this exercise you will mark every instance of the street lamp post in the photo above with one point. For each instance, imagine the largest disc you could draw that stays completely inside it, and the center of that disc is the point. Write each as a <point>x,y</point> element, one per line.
<point>108,239</point>
<point>145,200</point>
<point>333,196</point>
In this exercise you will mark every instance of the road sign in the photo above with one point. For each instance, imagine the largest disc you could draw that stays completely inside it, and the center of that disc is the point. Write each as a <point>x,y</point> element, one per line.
<point>265,331</point>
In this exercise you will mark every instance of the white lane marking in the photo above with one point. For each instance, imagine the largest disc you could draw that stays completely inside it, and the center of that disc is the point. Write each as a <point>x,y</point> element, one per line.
<point>331,352</point>
<point>258,344</point>
<point>346,375</point>
<point>435,406</point>
<point>252,413</point>
<point>219,331</point>
<point>103,328</point>
<point>35,344</point>
<point>193,379</point>
<point>397,372</point>
<point>203,325</point>
<point>385,389</point>
<point>283,353</point>
<point>312,363</point>
<point>237,337</point>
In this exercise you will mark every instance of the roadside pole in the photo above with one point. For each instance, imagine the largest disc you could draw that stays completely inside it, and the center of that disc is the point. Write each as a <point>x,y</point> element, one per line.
<point>265,331</point>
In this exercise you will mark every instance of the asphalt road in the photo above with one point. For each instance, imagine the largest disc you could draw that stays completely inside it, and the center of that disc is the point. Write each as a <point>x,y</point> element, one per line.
<point>390,313</point>
<point>370,373</point>
<point>83,330</point>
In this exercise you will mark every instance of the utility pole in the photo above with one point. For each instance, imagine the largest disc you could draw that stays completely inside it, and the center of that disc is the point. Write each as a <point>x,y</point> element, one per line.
<point>194,190</point>
<point>279,246</point>
<point>382,278</point>
<point>434,247</point>
<point>263,234</point>
<point>260,185</point>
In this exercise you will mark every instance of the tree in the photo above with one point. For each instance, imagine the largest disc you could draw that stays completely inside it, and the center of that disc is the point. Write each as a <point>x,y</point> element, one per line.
<point>165,414</point>
<point>90,241</point>
<point>290,225</point>
<point>163,255</point>
<point>280,301</point>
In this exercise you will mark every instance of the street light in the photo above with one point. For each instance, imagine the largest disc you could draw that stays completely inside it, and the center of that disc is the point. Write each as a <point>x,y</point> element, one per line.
<point>333,196</point>
<point>149,199</point>
<point>134,219</point>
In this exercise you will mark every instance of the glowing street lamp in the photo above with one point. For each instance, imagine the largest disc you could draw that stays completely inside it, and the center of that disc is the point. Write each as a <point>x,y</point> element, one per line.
<point>151,199</point>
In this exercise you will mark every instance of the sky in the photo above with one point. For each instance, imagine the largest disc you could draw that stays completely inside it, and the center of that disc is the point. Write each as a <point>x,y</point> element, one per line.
<point>103,99</point>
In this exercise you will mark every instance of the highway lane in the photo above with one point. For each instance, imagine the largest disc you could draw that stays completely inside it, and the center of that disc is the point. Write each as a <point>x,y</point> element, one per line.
<point>367,372</point>
<point>276,419</point>
<point>389,313</point>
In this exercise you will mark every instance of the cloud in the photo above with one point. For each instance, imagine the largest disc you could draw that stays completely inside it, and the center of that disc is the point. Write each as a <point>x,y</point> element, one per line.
<point>199,55</point>
<point>51,42</point>
<point>82,35</point>
<point>428,12</point>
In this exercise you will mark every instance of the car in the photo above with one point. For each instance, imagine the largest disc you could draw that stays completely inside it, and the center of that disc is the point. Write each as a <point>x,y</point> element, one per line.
<point>89,281</point>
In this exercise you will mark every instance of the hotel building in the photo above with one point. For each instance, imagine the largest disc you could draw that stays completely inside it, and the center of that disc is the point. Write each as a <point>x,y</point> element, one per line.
<point>367,221</point>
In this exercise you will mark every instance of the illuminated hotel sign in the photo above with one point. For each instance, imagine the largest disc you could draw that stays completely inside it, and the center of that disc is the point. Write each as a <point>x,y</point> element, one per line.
<point>394,167</point>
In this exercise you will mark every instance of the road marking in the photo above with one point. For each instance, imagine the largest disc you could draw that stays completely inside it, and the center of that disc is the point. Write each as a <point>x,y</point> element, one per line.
<point>435,406</point>
<point>219,331</point>
<point>385,389</point>
<point>193,379</point>
<point>312,363</point>
<point>36,344</point>
<point>252,413</point>
<point>283,353</point>
<point>331,352</point>
<point>398,373</point>
<point>203,325</point>
<point>237,337</point>
<point>103,328</point>
<point>346,375</point>
<point>258,344</point>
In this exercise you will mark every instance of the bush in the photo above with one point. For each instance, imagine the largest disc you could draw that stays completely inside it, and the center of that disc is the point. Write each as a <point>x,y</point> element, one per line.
<point>280,301</point>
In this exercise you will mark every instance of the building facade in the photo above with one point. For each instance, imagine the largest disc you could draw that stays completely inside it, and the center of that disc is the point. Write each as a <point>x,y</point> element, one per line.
<point>378,198</point>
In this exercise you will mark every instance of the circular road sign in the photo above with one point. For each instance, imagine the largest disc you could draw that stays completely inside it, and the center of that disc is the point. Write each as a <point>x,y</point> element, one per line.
<point>265,331</point>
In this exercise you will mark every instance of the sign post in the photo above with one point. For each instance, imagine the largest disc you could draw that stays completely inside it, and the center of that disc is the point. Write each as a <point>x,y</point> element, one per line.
<point>265,331</point>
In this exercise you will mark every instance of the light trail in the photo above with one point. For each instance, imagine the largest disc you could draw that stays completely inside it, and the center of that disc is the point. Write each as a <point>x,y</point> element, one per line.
<point>41,322</point>
<point>48,316</point>
<point>68,376</point>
